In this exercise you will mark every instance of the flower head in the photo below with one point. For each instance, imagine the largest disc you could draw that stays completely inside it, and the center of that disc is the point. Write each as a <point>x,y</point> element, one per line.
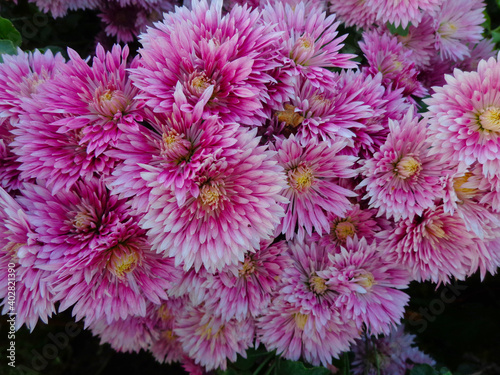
<point>402,178</point>
<point>313,190</point>
<point>202,49</point>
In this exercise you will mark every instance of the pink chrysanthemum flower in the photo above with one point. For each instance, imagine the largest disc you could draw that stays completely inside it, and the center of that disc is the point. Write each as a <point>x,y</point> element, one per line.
<point>309,42</point>
<point>9,166</point>
<point>246,291</point>
<point>402,179</point>
<point>100,99</point>
<point>312,173</point>
<point>463,196</point>
<point>357,222</point>
<point>420,41</point>
<point>368,285</point>
<point>202,49</point>
<point>483,50</point>
<point>238,205</point>
<point>20,248</point>
<point>211,341</point>
<point>458,23</point>
<point>464,118</point>
<point>433,246</point>
<point>172,153</point>
<point>387,55</point>
<point>304,284</point>
<point>393,354</point>
<point>166,348</point>
<point>324,114</point>
<point>81,221</point>
<point>126,20</point>
<point>378,104</point>
<point>98,256</point>
<point>114,283</point>
<point>20,77</point>
<point>59,8</point>
<point>353,13</point>
<point>131,334</point>
<point>401,12</point>
<point>296,334</point>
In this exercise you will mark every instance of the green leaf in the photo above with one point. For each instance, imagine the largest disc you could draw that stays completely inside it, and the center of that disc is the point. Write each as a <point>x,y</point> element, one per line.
<point>423,370</point>
<point>298,368</point>
<point>398,30</point>
<point>7,47</point>
<point>9,32</point>
<point>487,23</point>
<point>495,35</point>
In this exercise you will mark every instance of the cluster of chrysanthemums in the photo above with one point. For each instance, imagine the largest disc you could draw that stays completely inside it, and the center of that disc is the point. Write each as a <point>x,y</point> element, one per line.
<point>243,182</point>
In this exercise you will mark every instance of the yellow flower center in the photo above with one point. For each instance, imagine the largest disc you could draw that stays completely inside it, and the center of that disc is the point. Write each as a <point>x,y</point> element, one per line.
<point>317,284</point>
<point>301,178</point>
<point>303,49</point>
<point>343,230</point>
<point>82,221</point>
<point>122,261</point>
<point>199,82</point>
<point>366,280</point>
<point>462,192</point>
<point>408,166</point>
<point>435,229</point>
<point>109,103</point>
<point>300,320</point>
<point>447,29</point>
<point>175,147</point>
<point>206,331</point>
<point>164,313</point>
<point>489,119</point>
<point>168,335</point>
<point>211,195</point>
<point>247,268</point>
<point>289,116</point>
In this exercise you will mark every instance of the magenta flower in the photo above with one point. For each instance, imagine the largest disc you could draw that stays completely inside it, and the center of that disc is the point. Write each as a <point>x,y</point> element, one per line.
<point>59,8</point>
<point>172,154</point>
<point>131,334</point>
<point>458,23</point>
<point>402,179</point>
<point>211,341</point>
<point>368,285</point>
<point>387,55</point>
<point>246,292</point>
<point>100,101</point>
<point>10,179</point>
<point>308,43</point>
<point>296,334</point>
<point>312,173</point>
<point>239,204</point>
<point>353,13</point>
<point>357,222</point>
<point>304,284</point>
<point>19,249</point>
<point>433,246</point>
<point>200,48</point>
<point>20,77</point>
<point>125,20</point>
<point>117,282</point>
<point>392,354</point>
<point>463,118</point>
<point>328,113</point>
<point>401,12</point>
